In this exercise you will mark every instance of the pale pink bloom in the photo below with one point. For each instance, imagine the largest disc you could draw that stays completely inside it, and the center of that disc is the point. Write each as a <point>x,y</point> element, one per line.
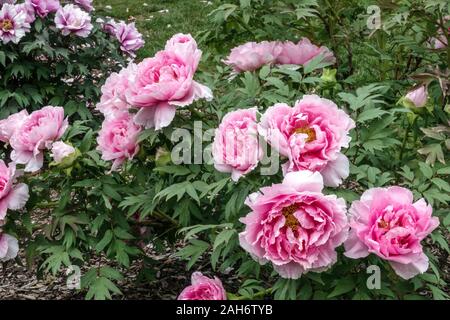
<point>302,52</point>
<point>418,97</point>
<point>251,55</point>
<point>85,4</point>
<point>386,222</point>
<point>294,225</point>
<point>113,101</point>
<point>72,20</point>
<point>129,37</point>
<point>13,23</point>
<point>7,1</point>
<point>203,288</point>
<point>236,147</point>
<point>39,130</point>
<point>117,139</point>
<point>43,7</point>
<point>28,9</point>
<point>13,195</point>
<point>440,41</point>
<point>10,124</point>
<point>9,247</point>
<point>61,150</point>
<point>110,27</point>
<point>312,135</point>
<point>163,83</point>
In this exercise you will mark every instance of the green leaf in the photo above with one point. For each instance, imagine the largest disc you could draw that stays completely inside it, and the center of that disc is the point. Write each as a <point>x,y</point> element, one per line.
<point>223,237</point>
<point>343,286</point>
<point>107,237</point>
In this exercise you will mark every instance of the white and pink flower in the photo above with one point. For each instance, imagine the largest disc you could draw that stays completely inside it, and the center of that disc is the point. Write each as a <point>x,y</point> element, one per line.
<point>117,139</point>
<point>37,133</point>
<point>236,147</point>
<point>72,20</point>
<point>252,55</point>
<point>9,247</point>
<point>9,125</point>
<point>165,82</point>
<point>13,196</point>
<point>312,135</point>
<point>203,288</point>
<point>388,223</point>
<point>129,37</point>
<point>43,7</point>
<point>294,225</point>
<point>302,52</point>
<point>13,23</point>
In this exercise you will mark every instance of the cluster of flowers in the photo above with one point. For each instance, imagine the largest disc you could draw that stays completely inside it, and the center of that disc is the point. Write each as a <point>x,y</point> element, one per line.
<point>293,224</point>
<point>251,55</point>
<point>156,87</point>
<point>73,18</point>
<point>29,135</point>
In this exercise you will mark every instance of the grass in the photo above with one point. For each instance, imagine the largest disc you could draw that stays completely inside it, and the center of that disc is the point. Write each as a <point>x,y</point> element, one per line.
<point>155,22</point>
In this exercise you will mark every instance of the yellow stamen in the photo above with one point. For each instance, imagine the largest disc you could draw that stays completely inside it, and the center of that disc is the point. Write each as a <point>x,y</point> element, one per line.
<point>288,213</point>
<point>308,131</point>
<point>6,25</point>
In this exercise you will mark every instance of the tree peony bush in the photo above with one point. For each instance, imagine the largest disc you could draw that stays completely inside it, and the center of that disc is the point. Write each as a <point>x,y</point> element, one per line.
<point>294,151</point>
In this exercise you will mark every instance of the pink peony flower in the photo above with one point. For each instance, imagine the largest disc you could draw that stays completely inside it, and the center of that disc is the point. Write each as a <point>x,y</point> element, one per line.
<point>163,83</point>
<point>203,288</point>
<point>311,135</point>
<point>71,19</point>
<point>117,140</point>
<point>85,4</point>
<point>386,222</point>
<point>417,97</point>
<point>113,101</point>
<point>9,247</point>
<point>302,52</point>
<point>12,196</point>
<point>251,55</point>
<point>43,7</point>
<point>10,124</point>
<point>294,225</point>
<point>28,9</point>
<point>110,27</point>
<point>61,150</point>
<point>235,147</point>
<point>37,132</point>
<point>129,37</point>
<point>13,23</point>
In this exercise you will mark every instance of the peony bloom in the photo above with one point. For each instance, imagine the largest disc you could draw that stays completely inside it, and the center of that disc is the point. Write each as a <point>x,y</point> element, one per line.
<point>113,101</point>
<point>10,124</point>
<point>294,225</point>
<point>12,196</point>
<point>417,98</point>
<point>37,132</point>
<point>117,140</point>
<point>163,83</point>
<point>203,288</point>
<point>85,4</point>
<point>61,150</point>
<point>129,37</point>
<point>251,55</point>
<point>311,135</point>
<point>302,52</point>
<point>235,147</point>
<point>386,222</point>
<point>9,247</point>
<point>28,9</point>
<point>43,7</point>
<point>71,19</point>
<point>13,23</point>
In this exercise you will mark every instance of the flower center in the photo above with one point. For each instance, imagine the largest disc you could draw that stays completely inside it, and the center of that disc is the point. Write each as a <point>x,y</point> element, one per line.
<point>288,213</point>
<point>308,131</point>
<point>6,25</point>
<point>383,224</point>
